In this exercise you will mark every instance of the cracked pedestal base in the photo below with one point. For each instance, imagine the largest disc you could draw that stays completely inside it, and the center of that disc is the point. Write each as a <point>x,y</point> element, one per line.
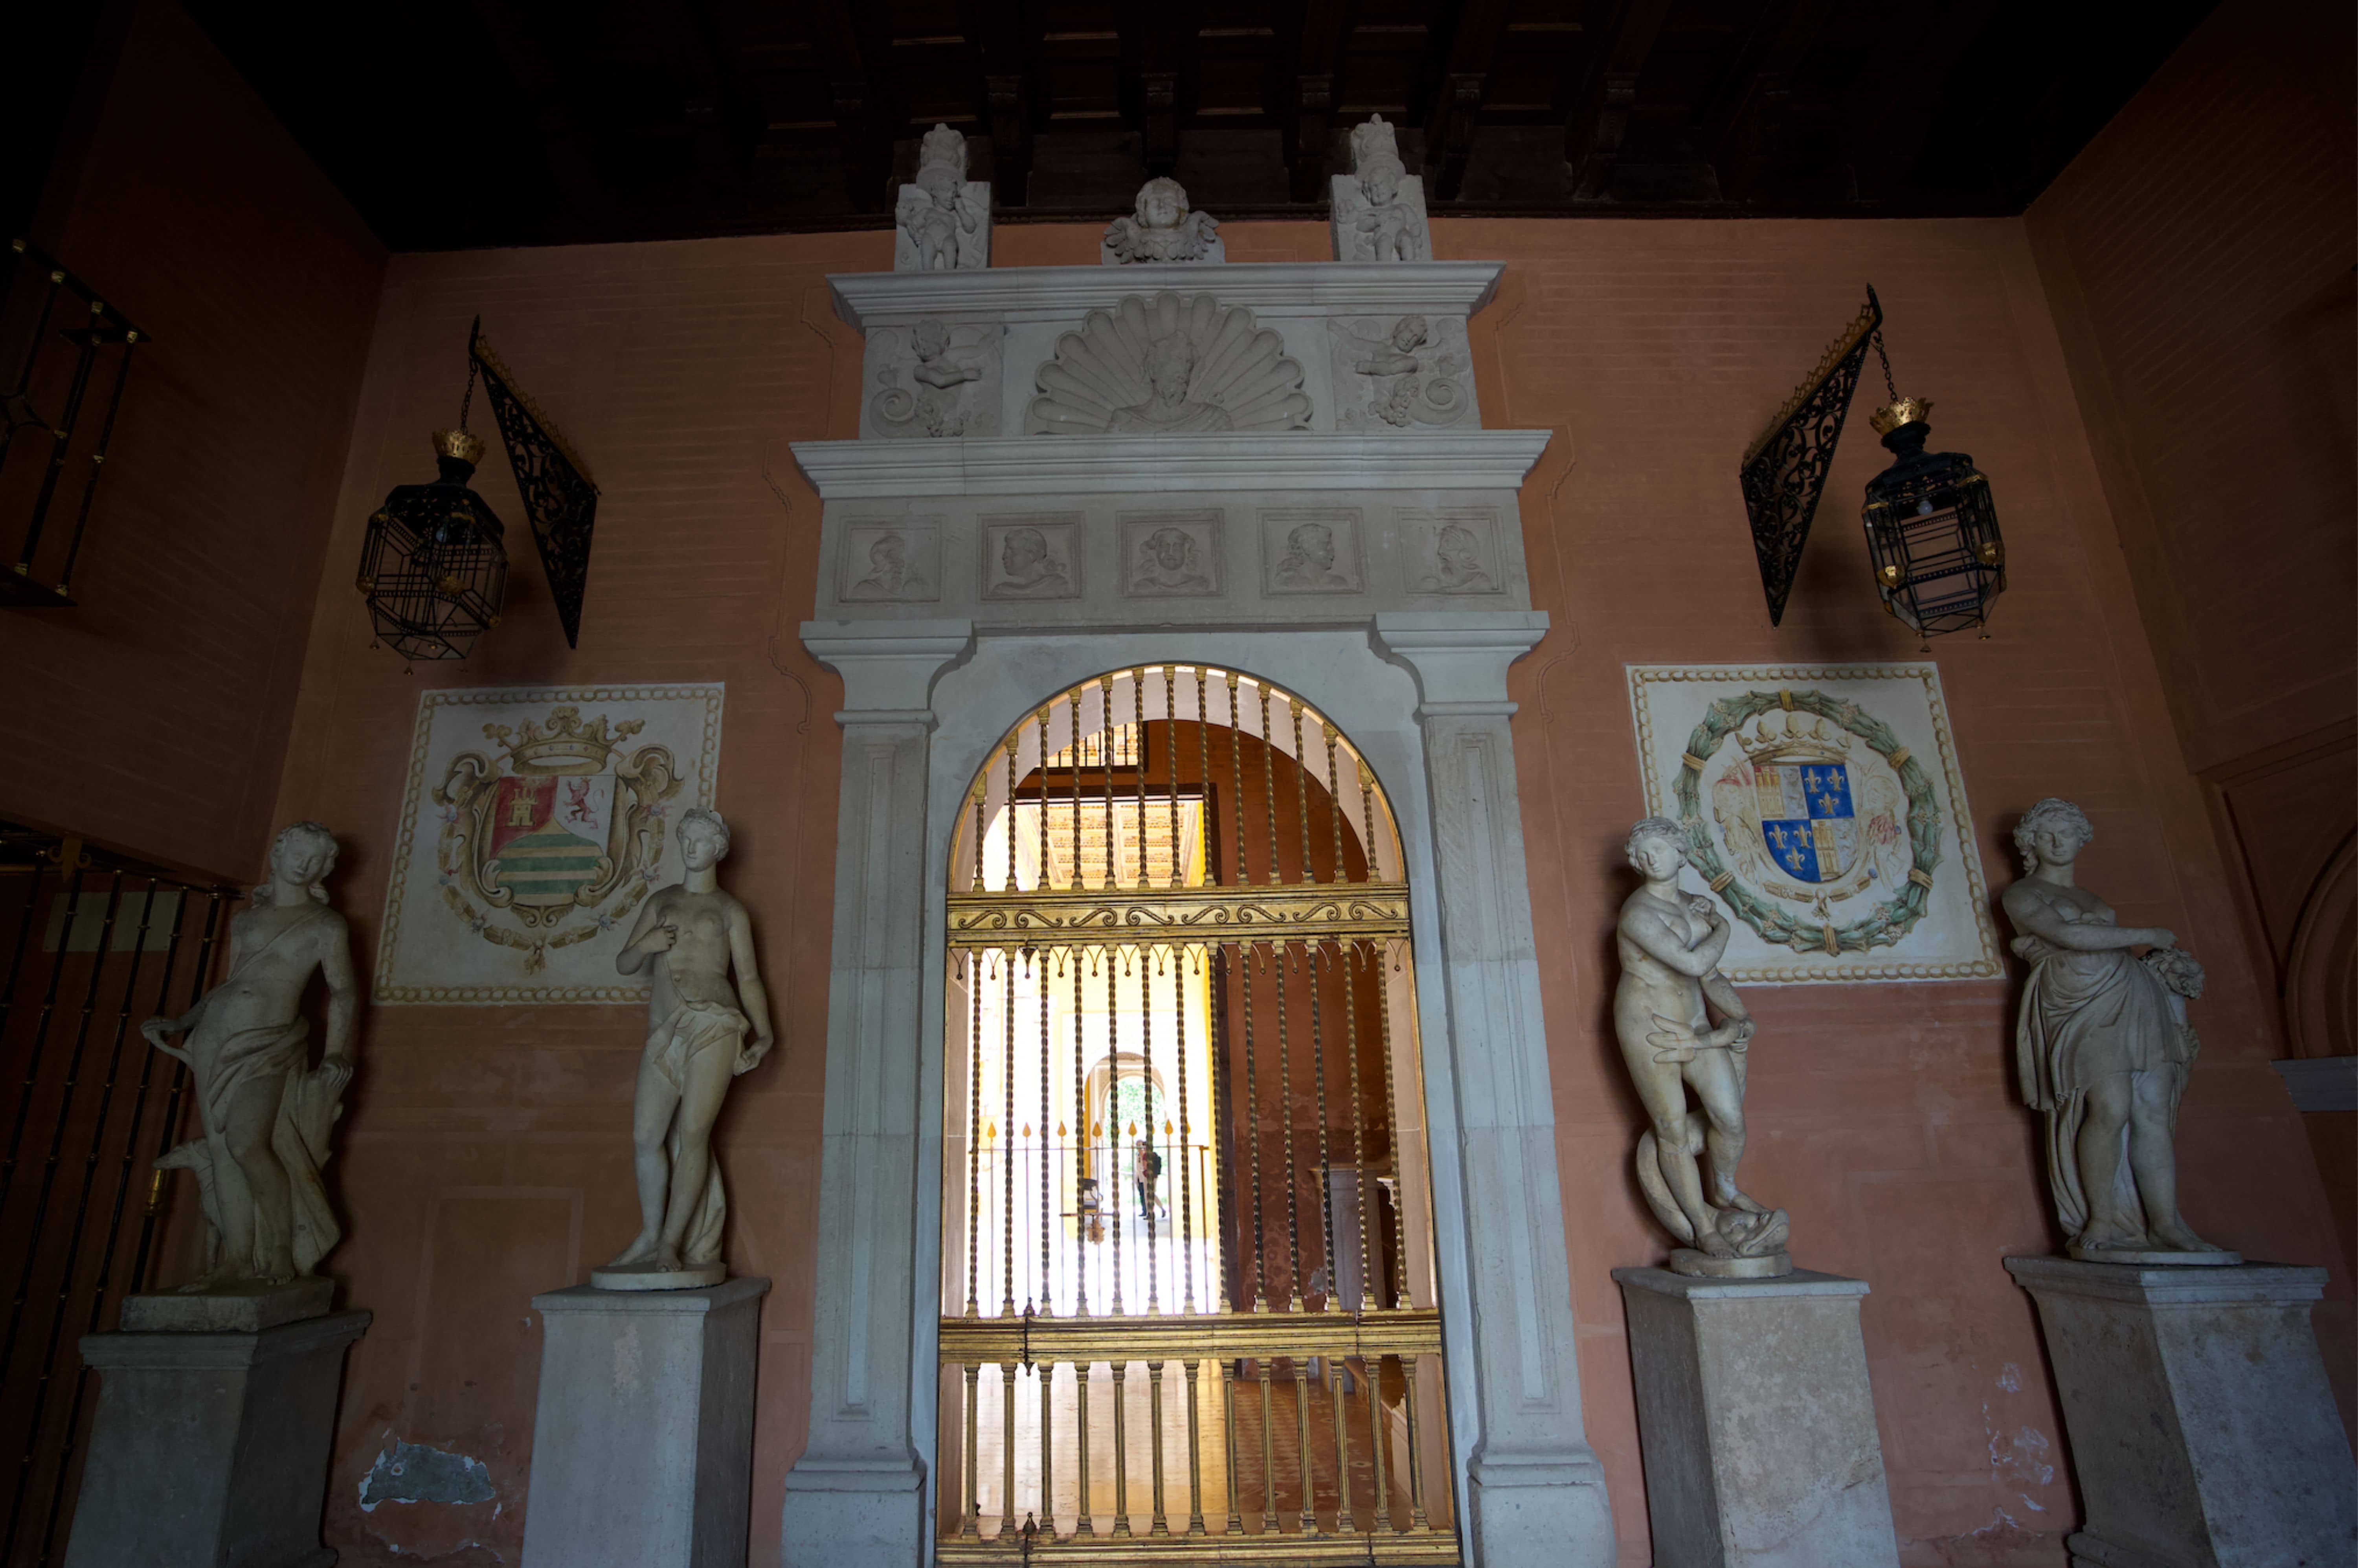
<point>1756,1421</point>
<point>643,1438</point>
<point>2203,1432</point>
<point>211,1448</point>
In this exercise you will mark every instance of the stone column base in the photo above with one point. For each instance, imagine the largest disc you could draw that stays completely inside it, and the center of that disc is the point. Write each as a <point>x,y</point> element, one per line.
<point>1757,1423</point>
<point>2203,1434</point>
<point>211,1448</point>
<point>642,1437</point>
<point>853,1514</point>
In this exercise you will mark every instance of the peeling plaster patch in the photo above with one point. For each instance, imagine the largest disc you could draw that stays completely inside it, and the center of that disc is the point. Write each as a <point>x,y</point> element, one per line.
<point>412,1472</point>
<point>2009,1378</point>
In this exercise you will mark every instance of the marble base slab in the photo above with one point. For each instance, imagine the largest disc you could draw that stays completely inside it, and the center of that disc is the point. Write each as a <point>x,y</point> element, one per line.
<point>2203,1432</point>
<point>1756,1421</point>
<point>249,1307</point>
<point>2158,1259</point>
<point>1704,1266</point>
<point>211,1448</point>
<point>643,1438</point>
<point>647,1277</point>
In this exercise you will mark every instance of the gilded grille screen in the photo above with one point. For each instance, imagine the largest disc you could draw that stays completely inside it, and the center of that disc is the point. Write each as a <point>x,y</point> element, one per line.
<point>1188,1300</point>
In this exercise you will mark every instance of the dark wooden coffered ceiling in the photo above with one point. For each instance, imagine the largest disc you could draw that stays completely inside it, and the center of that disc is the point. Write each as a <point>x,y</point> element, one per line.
<point>529,121</point>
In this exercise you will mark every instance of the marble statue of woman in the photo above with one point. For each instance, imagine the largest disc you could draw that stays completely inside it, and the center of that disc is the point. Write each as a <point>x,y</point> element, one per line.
<point>1671,943</point>
<point>266,1111</point>
<point>690,934</point>
<point>2103,1047</point>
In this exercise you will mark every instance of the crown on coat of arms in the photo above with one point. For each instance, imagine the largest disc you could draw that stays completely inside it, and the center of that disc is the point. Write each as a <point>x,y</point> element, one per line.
<point>1795,737</point>
<point>565,745</point>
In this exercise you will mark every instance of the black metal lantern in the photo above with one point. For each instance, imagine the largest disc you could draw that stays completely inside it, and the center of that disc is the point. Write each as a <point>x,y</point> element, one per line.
<point>433,568</point>
<point>1931,528</point>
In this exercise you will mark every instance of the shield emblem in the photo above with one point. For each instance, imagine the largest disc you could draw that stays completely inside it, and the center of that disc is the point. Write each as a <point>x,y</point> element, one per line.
<point>549,835</point>
<point>1806,817</point>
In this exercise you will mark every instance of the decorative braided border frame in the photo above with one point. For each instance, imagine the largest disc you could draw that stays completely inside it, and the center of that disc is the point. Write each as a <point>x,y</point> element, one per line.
<point>1841,946</point>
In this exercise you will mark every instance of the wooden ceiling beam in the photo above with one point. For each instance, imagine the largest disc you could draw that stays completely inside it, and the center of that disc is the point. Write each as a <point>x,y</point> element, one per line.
<point>1751,130</point>
<point>863,125</point>
<point>1309,123</point>
<point>1449,134</point>
<point>1899,90</point>
<point>998,28</point>
<point>1599,119</point>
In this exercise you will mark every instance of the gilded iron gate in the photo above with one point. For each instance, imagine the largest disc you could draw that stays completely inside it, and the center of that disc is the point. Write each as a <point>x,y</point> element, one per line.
<point>1184,1146</point>
<point>94,945</point>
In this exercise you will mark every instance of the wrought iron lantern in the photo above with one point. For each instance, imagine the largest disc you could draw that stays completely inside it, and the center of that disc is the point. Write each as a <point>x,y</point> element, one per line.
<point>433,567</point>
<point>1931,528</point>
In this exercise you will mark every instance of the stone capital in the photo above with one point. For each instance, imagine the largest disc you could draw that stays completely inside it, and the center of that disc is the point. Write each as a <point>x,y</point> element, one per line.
<point>1459,657</point>
<point>888,668</point>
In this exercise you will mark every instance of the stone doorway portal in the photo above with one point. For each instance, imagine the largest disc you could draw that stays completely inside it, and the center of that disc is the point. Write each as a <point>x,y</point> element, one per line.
<point>1184,880</point>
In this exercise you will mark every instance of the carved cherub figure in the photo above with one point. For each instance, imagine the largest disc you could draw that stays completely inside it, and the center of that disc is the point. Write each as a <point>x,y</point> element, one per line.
<point>1161,228</point>
<point>938,210</point>
<point>1374,207</point>
<point>931,340</point>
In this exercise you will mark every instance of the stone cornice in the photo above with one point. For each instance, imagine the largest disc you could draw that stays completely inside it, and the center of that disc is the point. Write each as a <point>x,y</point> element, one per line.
<point>1121,465</point>
<point>1065,293</point>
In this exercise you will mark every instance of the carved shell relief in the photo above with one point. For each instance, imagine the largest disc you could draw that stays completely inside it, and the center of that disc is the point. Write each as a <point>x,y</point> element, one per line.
<point>1169,365</point>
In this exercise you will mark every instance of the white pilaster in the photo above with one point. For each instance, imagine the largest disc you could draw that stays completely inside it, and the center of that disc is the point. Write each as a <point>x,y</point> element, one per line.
<point>857,1496</point>
<point>1535,1492</point>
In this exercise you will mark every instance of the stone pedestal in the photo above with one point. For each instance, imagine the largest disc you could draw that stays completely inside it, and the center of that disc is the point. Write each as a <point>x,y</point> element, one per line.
<point>2203,1434</point>
<point>211,1448</point>
<point>643,1438</point>
<point>1756,1422</point>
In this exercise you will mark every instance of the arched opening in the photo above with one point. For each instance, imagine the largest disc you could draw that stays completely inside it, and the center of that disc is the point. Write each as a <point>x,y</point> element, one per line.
<point>1188,1297</point>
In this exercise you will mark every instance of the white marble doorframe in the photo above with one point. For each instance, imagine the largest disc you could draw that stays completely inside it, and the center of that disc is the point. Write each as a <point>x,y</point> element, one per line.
<point>1423,697</point>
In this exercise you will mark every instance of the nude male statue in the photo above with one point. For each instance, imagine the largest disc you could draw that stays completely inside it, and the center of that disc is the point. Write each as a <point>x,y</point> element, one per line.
<point>692,934</point>
<point>265,1112</point>
<point>1671,943</point>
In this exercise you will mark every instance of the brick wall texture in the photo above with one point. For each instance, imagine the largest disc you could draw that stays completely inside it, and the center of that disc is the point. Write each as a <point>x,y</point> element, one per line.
<point>484,1155</point>
<point>154,717</point>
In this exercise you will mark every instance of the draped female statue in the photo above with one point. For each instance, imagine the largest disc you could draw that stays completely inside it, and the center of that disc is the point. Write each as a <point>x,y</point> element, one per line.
<point>265,1109</point>
<point>2103,1047</point>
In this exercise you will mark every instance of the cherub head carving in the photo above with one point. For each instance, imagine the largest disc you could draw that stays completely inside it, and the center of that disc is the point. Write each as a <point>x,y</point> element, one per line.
<point>1161,203</point>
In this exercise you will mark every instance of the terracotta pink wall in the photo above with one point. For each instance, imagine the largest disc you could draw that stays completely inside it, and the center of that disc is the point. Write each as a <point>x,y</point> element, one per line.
<point>2200,254</point>
<point>485,1155</point>
<point>154,717</point>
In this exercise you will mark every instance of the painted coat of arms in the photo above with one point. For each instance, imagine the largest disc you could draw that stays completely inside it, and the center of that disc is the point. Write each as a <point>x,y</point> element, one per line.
<point>536,823</point>
<point>1825,808</point>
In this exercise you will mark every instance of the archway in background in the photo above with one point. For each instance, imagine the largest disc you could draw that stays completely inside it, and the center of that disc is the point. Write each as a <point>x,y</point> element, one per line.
<point>1184,877</point>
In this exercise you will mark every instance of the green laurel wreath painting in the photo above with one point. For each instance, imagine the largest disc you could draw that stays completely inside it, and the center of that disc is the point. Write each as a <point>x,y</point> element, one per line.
<point>1820,815</point>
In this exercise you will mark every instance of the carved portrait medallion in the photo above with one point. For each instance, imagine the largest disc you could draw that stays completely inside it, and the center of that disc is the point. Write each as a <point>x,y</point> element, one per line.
<point>1171,555</point>
<point>899,562</point>
<point>1032,557</point>
<point>1452,553</point>
<point>1310,549</point>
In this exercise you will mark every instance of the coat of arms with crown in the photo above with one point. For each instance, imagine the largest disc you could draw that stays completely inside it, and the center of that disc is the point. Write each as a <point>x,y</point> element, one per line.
<point>1827,832</point>
<point>1825,807</point>
<point>559,838</point>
